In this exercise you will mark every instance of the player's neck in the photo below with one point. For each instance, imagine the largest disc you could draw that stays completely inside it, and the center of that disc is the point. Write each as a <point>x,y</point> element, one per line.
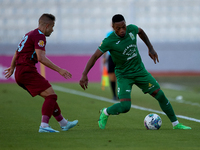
<point>41,29</point>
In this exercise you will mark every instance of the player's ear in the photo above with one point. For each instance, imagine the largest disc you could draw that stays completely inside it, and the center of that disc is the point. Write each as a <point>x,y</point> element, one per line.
<point>47,25</point>
<point>113,26</point>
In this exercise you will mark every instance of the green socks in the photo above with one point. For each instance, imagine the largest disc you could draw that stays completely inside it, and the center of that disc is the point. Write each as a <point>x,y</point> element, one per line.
<point>118,108</point>
<point>165,105</point>
<point>125,106</point>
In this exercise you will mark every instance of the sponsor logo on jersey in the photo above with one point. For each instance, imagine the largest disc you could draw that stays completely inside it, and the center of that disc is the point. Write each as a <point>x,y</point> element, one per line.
<point>133,55</point>
<point>150,86</point>
<point>130,51</point>
<point>132,36</point>
<point>131,46</point>
<point>41,43</point>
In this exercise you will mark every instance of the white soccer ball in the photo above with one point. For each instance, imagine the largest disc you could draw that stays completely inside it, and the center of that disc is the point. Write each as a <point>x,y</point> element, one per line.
<point>152,121</point>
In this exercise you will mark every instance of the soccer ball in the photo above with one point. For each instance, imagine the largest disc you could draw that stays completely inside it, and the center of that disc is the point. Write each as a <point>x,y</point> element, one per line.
<point>152,122</point>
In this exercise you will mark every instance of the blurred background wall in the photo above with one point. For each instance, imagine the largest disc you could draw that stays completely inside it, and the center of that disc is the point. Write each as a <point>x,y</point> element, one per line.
<point>173,27</point>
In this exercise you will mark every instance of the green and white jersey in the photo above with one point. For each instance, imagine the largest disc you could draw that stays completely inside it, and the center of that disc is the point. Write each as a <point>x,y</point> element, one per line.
<point>124,53</point>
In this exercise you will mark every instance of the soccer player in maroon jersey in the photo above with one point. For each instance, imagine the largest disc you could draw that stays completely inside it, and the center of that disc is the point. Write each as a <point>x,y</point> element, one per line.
<point>30,50</point>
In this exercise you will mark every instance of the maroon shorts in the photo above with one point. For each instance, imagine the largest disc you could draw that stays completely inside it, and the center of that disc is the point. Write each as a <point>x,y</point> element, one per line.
<point>28,78</point>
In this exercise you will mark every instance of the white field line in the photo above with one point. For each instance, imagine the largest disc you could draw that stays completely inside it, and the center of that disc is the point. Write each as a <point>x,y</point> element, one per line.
<point>66,90</point>
<point>174,86</point>
<point>178,88</point>
<point>184,102</point>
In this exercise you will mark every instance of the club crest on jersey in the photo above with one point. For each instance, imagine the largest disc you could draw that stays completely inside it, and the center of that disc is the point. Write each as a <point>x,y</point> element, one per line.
<point>132,36</point>
<point>41,43</point>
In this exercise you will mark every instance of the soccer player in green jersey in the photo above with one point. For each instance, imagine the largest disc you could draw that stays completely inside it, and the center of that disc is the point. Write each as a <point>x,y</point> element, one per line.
<point>129,70</point>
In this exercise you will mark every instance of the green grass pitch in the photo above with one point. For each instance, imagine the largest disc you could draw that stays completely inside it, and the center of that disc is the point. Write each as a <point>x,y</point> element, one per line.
<point>21,115</point>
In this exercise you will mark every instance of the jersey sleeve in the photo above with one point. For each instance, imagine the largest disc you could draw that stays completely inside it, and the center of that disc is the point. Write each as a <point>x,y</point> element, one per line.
<point>104,46</point>
<point>40,42</point>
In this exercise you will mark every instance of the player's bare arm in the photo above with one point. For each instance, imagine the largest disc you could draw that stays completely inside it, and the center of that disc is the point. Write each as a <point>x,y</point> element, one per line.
<point>84,79</point>
<point>9,71</point>
<point>145,39</point>
<point>45,61</point>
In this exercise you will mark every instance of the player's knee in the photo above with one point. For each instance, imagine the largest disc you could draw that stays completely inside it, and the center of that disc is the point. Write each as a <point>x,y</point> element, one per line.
<point>52,96</point>
<point>159,95</point>
<point>47,92</point>
<point>55,97</point>
<point>125,106</point>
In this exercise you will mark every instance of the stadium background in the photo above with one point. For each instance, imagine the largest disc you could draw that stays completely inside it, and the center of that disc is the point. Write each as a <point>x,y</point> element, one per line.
<point>173,27</point>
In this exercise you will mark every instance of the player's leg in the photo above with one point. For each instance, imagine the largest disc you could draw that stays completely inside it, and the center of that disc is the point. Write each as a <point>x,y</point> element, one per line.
<point>48,105</point>
<point>164,104</point>
<point>29,79</point>
<point>148,84</point>
<point>118,108</point>
<point>112,77</point>
<point>167,108</point>
<point>122,107</point>
<point>51,107</point>
<point>113,84</point>
<point>64,124</point>
<point>47,111</point>
<point>36,84</point>
<point>124,92</point>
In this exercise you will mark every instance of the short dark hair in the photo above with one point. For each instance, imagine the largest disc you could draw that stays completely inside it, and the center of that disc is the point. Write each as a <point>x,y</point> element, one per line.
<point>117,18</point>
<point>47,17</point>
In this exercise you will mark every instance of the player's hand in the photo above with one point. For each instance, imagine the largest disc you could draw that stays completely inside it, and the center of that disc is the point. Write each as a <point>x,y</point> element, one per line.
<point>153,55</point>
<point>8,72</point>
<point>84,82</point>
<point>65,73</point>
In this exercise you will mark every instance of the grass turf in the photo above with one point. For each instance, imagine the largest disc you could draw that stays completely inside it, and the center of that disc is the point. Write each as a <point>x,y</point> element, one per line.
<point>21,114</point>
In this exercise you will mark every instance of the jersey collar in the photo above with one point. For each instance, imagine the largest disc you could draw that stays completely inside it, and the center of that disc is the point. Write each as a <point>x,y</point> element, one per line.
<point>40,31</point>
<point>119,36</point>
